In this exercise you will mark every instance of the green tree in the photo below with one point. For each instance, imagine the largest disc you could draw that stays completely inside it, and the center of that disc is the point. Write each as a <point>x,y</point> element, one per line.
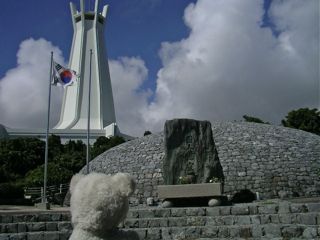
<point>72,161</point>
<point>18,156</point>
<point>56,175</point>
<point>55,146</point>
<point>253,119</point>
<point>114,141</point>
<point>74,146</point>
<point>304,119</point>
<point>22,159</point>
<point>102,144</point>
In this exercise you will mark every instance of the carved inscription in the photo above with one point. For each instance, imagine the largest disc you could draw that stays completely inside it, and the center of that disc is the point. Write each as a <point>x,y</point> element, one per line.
<point>190,151</point>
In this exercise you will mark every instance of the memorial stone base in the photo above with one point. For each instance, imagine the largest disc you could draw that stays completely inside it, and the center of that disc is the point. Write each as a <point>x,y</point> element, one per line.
<point>209,192</point>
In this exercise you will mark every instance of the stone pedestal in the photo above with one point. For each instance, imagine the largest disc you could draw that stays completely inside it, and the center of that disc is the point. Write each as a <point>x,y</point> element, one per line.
<point>191,163</point>
<point>189,190</point>
<point>185,192</point>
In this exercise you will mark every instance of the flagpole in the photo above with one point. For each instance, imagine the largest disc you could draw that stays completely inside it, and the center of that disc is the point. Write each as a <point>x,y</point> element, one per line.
<point>88,127</point>
<point>44,200</point>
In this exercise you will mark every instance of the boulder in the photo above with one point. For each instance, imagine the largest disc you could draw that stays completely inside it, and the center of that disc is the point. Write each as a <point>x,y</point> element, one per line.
<point>190,153</point>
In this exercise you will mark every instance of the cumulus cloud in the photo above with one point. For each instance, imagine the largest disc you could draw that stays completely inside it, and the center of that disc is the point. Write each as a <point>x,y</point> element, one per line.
<point>230,66</point>
<point>127,76</point>
<point>24,89</point>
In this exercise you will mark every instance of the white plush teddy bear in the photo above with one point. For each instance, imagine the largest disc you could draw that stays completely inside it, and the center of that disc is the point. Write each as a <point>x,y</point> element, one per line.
<point>99,202</point>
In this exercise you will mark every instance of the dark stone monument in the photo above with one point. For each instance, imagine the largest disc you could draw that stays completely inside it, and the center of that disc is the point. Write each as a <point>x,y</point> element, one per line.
<point>190,153</point>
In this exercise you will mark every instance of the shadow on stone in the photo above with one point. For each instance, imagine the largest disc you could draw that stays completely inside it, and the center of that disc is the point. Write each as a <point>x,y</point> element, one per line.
<point>197,201</point>
<point>244,196</point>
<point>117,234</point>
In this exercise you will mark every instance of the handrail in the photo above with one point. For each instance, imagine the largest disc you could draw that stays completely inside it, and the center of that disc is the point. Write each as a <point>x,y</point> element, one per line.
<point>36,193</point>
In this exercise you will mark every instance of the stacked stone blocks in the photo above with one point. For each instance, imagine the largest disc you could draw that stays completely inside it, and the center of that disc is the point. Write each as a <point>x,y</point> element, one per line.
<point>274,161</point>
<point>249,221</point>
<point>272,220</point>
<point>35,226</point>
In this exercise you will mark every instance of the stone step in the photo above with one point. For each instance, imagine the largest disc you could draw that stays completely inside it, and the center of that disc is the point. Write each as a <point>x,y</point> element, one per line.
<point>157,212</point>
<point>300,218</point>
<point>260,238</point>
<point>267,231</point>
<point>238,209</point>
<point>232,238</point>
<point>284,220</point>
<point>34,217</point>
<point>48,235</point>
<point>34,227</point>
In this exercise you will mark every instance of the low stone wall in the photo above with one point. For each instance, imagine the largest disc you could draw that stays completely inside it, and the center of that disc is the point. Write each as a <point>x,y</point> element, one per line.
<point>274,161</point>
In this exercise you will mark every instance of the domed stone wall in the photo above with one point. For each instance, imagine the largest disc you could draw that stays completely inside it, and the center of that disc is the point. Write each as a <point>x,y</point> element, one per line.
<point>3,132</point>
<point>268,159</point>
<point>263,158</point>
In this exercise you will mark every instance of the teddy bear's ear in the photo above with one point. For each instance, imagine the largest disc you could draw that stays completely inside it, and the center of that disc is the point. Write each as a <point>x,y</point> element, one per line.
<point>74,180</point>
<point>126,184</point>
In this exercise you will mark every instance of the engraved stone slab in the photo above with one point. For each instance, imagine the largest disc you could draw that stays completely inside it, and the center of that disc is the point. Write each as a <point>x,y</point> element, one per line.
<point>190,152</point>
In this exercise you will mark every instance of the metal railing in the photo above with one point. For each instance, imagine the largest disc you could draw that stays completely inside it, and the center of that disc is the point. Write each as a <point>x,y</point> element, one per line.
<point>55,194</point>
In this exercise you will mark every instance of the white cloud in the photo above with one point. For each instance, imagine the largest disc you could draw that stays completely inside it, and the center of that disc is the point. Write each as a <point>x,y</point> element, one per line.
<point>24,89</point>
<point>127,76</point>
<point>229,66</point>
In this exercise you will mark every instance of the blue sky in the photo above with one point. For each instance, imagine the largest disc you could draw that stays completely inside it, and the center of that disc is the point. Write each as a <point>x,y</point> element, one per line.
<point>135,27</point>
<point>211,60</point>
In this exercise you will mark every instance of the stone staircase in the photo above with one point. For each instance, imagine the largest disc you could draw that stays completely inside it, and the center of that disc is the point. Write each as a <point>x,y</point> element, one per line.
<point>269,220</point>
<point>248,221</point>
<point>35,226</point>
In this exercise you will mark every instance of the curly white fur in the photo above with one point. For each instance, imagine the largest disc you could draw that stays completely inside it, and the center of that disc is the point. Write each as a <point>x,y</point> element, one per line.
<point>98,204</point>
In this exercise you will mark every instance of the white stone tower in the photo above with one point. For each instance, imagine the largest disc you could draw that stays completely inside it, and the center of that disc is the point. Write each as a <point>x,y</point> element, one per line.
<point>88,34</point>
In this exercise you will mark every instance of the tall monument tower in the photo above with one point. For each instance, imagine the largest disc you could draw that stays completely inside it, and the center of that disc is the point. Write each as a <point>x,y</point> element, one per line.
<point>88,34</point>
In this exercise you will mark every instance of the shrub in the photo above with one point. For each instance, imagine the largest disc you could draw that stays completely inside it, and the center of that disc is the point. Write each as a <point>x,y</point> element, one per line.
<point>102,144</point>
<point>253,119</point>
<point>11,191</point>
<point>304,119</point>
<point>146,133</point>
<point>56,175</point>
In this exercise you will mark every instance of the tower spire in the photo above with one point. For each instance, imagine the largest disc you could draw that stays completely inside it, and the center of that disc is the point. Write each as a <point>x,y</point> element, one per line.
<point>88,34</point>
